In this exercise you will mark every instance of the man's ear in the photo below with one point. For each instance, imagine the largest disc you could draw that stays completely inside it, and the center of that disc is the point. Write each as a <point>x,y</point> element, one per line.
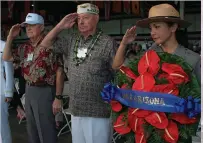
<point>42,28</point>
<point>174,27</point>
<point>97,18</point>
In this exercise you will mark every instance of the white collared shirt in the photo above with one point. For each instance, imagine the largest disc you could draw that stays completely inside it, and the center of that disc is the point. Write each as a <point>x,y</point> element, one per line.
<point>7,82</point>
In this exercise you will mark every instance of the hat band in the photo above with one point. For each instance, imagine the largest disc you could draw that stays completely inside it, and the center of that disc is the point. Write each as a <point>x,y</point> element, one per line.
<point>165,17</point>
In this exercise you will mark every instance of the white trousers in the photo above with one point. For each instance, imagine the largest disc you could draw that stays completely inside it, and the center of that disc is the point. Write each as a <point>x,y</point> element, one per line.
<point>91,130</point>
<point>5,128</point>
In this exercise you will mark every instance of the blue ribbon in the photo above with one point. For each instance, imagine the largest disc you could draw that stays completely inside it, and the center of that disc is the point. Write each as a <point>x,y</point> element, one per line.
<point>153,101</point>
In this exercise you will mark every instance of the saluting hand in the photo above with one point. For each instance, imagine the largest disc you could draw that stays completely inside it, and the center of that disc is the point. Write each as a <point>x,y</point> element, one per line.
<point>129,36</point>
<point>14,31</point>
<point>68,21</point>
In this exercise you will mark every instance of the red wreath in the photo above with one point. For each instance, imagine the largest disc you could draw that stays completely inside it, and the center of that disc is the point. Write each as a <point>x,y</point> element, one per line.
<point>148,67</point>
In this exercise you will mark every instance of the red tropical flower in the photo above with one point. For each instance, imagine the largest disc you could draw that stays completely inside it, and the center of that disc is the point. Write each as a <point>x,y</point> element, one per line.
<point>121,126</point>
<point>144,82</point>
<point>176,73</point>
<point>140,138</point>
<point>128,72</point>
<point>136,124</point>
<point>158,120</point>
<point>124,86</point>
<point>149,63</point>
<point>140,113</point>
<point>166,88</point>
<point>116,106</point>
<point>171,132</point>
<point>183,119</point>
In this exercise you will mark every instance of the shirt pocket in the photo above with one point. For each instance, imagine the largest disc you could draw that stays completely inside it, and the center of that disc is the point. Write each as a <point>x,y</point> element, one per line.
<point>98,66</point>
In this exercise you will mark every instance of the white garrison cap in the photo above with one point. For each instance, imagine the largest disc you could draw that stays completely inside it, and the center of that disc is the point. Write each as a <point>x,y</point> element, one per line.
<point>87,8</point>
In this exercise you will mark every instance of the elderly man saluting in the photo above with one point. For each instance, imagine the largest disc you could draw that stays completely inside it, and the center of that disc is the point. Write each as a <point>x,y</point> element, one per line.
<point>88,56</point>
<point>39,68</point>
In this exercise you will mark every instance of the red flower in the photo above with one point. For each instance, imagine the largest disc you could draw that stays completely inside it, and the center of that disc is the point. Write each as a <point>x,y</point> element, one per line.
<point>158,120</point>
<point>171,132</point>
<point>176,73</point>
<point>121,126</point>
<point>144,82</point>
<point>149,63</point>
<point>140,138</point>
<point>116,106</point>
<point>182,118</point>
<point>136,124</point>
<point>124,86</point>
<point>128,72</point>
<point>166,88</point>
<point>138,112</point>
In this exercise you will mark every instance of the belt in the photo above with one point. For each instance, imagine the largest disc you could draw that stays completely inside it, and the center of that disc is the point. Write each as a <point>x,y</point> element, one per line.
<point>37,83</point>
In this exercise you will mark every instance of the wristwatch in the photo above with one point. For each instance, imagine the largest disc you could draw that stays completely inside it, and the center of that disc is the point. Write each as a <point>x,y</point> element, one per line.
<point>60,97</point>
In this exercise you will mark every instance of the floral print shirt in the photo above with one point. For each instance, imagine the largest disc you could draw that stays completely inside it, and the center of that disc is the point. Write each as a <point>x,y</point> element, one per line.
<point>37,64</point>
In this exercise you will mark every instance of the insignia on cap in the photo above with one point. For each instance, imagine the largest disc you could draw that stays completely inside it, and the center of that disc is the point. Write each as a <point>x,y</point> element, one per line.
<point>84,6</point>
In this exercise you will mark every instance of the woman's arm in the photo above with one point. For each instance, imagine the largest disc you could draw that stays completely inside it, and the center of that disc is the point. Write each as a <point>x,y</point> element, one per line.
<point>128,38</point>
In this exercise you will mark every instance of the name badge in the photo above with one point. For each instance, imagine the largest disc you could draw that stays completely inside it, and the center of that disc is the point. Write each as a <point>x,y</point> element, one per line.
<point>81,53</point>
<point>30,57</point>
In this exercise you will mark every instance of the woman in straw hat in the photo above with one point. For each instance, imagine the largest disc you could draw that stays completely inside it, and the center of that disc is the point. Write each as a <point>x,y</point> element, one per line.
<point>163,21</point>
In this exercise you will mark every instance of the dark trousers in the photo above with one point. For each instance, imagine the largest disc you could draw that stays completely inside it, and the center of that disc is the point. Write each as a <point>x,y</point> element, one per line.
<point>39,115</point>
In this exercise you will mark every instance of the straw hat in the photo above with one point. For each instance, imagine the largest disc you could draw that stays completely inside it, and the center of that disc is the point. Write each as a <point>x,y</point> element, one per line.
<point>163,13</point>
